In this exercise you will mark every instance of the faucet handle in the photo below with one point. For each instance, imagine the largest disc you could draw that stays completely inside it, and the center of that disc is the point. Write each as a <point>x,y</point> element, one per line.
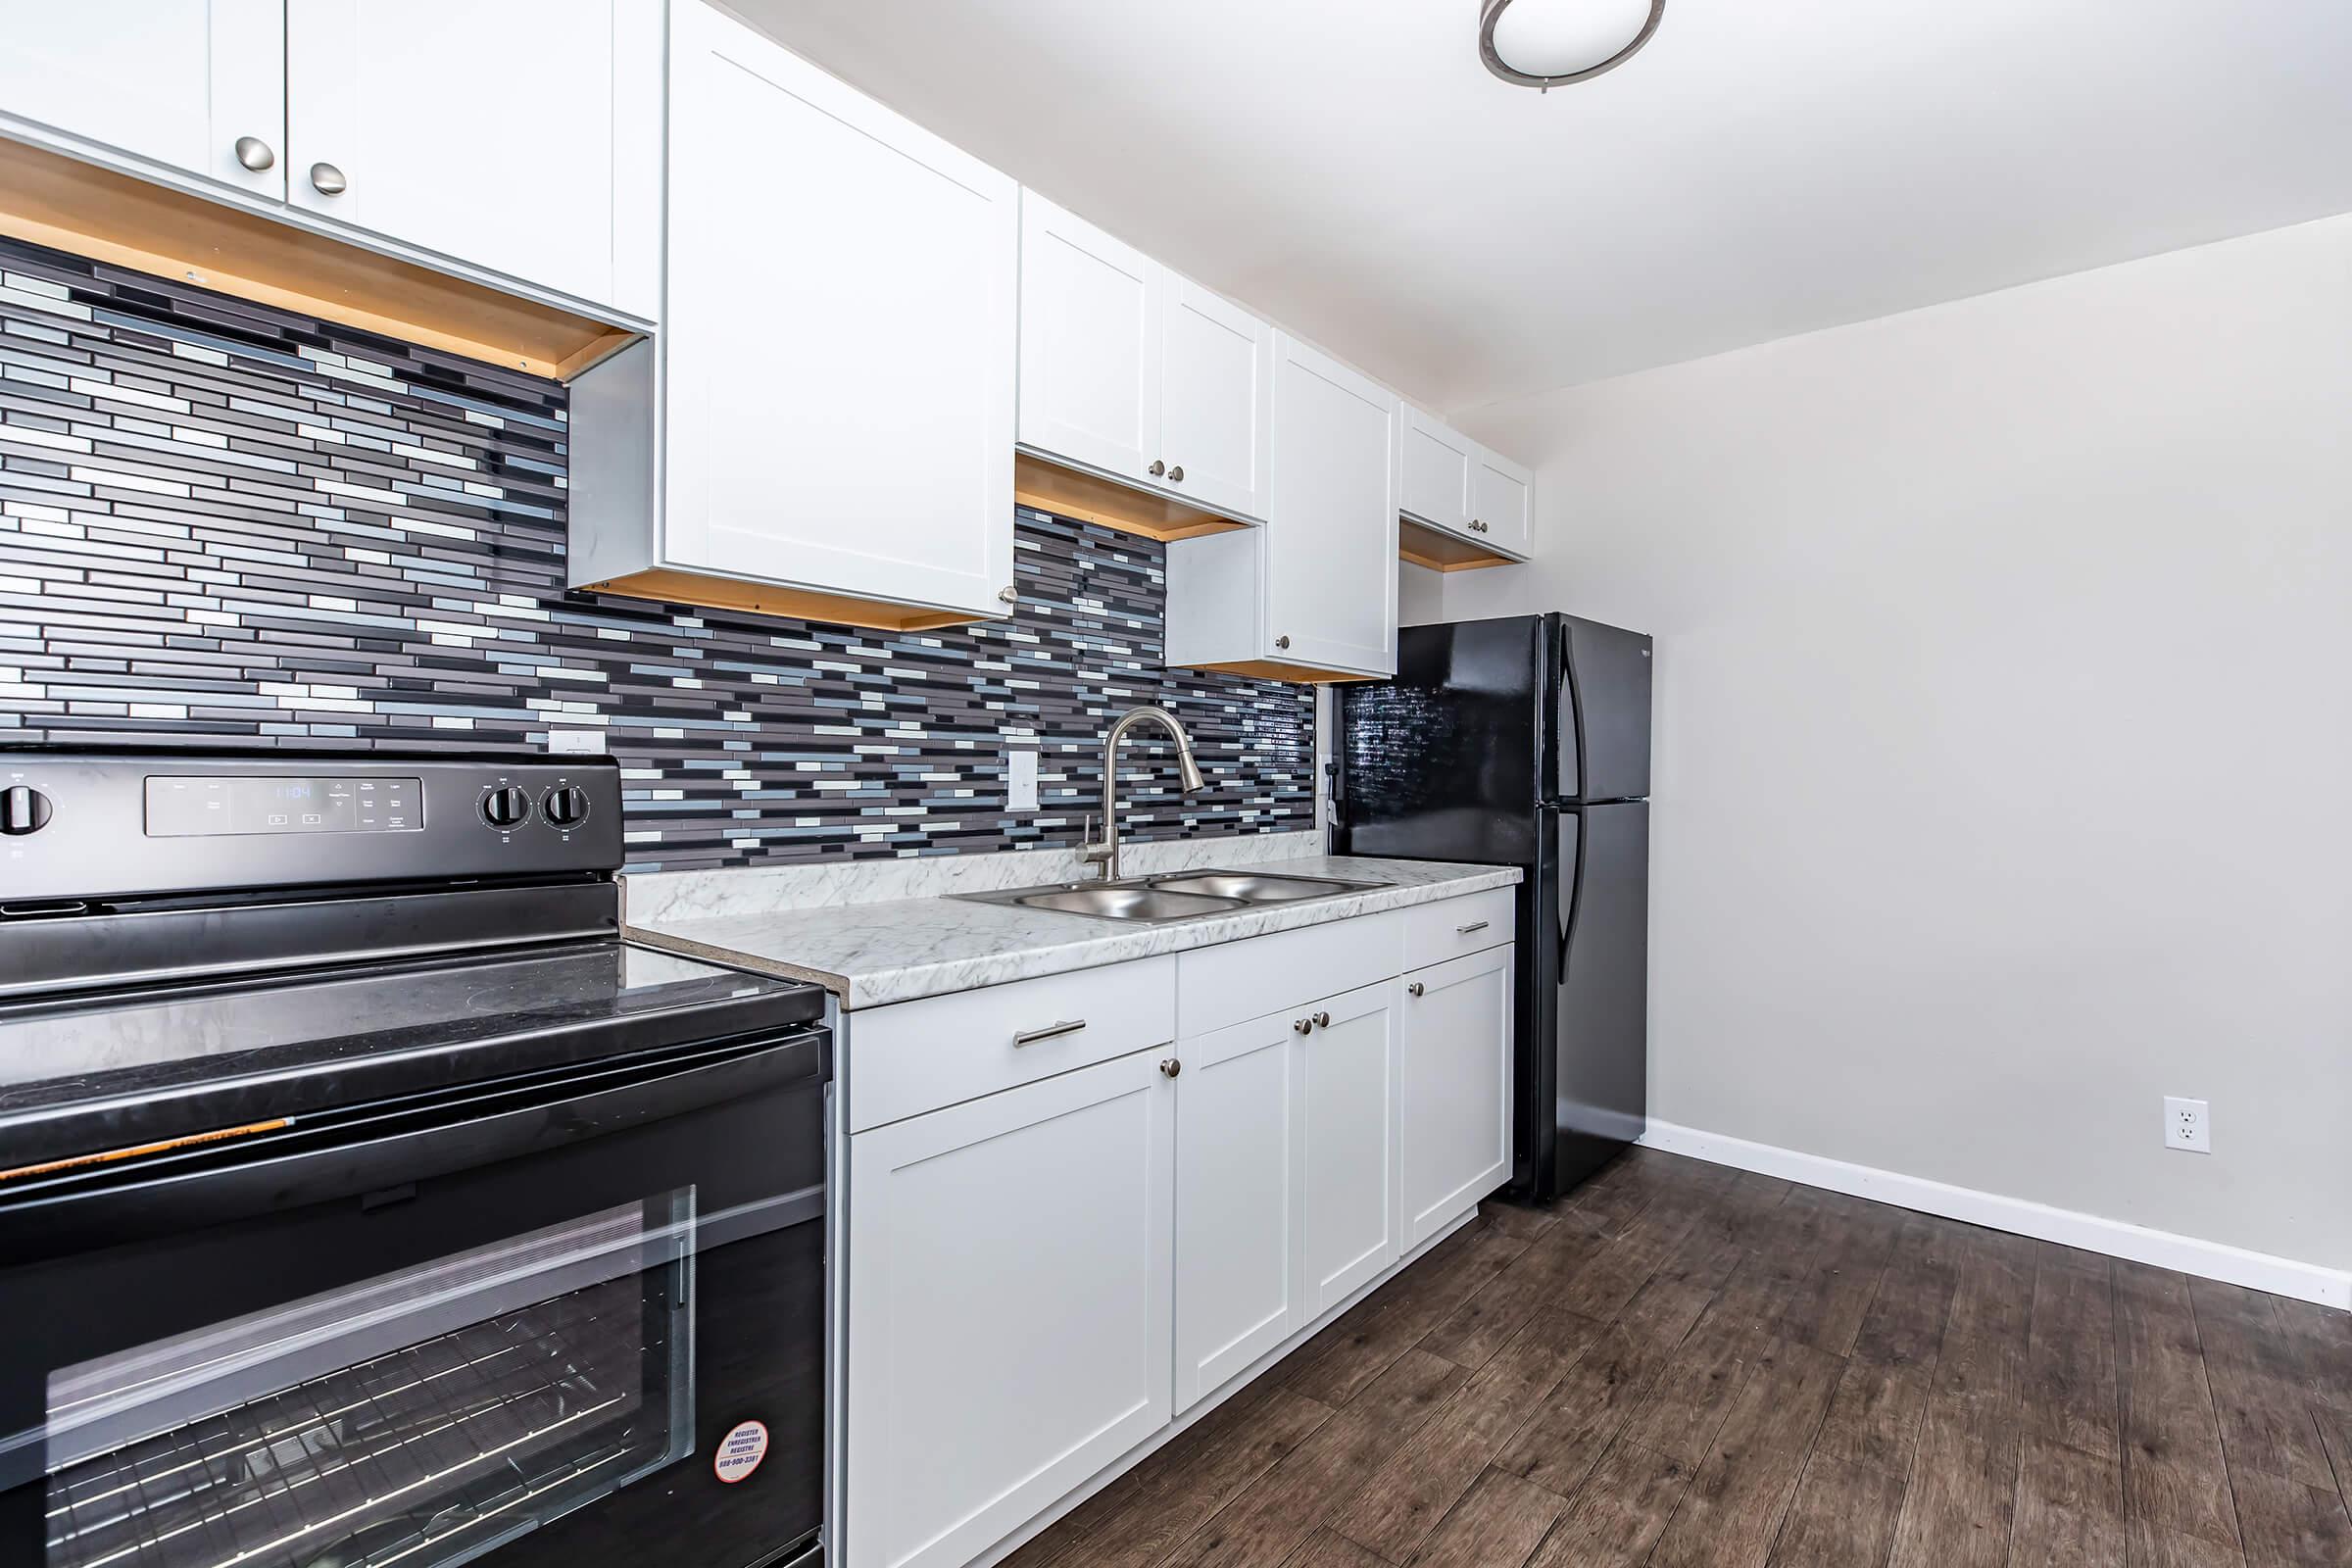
<point>1091,849</point>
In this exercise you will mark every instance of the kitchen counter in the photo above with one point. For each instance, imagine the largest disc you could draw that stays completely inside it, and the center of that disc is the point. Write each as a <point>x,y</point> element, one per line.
<point>869,954</point>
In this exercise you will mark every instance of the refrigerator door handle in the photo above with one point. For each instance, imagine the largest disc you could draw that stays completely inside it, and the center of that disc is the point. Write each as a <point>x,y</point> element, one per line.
<point>1576,903</point>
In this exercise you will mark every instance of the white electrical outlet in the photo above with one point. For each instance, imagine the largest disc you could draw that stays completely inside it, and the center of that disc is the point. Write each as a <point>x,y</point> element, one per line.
<point>1020,780</point>
<point>2187,1124</point>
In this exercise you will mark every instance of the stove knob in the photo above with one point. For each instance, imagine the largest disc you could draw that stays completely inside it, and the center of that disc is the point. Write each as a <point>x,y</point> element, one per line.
<point>23,810</point>
<point>507,806</point>
<point>566,806</point>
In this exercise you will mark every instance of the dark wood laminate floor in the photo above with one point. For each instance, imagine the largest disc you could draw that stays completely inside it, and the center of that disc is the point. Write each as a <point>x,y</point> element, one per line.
<point>1684,1365</point>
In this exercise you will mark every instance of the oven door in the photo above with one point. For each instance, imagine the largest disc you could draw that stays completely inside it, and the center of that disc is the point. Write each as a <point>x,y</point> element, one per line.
<point>570,1318</point>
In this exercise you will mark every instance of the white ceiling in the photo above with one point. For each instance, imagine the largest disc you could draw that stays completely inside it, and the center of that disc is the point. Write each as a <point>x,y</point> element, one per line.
<point>1764,168</point>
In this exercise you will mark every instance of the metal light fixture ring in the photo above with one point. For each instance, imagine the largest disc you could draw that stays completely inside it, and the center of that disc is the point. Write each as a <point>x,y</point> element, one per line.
<point>1490,12</point>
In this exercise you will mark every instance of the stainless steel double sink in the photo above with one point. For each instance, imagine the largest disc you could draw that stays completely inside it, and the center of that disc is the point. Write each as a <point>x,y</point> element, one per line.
<point>1172,895</point>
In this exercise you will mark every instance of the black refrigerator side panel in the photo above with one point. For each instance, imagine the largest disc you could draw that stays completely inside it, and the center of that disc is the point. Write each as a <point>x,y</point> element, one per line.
<point>1601,1041</point>
<point>1445,762</point>
<point>1603,752</point>
<point>1542,905</point>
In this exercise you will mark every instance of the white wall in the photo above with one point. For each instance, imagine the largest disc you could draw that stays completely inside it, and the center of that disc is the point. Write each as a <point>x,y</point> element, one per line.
<point>2004,729</point>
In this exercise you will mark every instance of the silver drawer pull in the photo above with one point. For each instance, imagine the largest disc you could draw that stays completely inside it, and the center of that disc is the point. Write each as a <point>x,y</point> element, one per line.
<point>1051,1031</point>
<point>1465,930</point>
<point>1415,988</point>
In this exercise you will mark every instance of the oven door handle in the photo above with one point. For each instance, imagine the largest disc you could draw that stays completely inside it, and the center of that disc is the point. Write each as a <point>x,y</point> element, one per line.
<point>223,1187</point>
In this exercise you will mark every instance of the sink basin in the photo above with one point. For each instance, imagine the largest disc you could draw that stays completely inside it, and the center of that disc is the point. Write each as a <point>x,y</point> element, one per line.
<point>1125,902</point>
<point>1171,895</point>
<point>1255,887</point>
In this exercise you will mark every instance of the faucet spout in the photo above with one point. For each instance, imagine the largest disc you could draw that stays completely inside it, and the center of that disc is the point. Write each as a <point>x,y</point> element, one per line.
<point>1106,852</point>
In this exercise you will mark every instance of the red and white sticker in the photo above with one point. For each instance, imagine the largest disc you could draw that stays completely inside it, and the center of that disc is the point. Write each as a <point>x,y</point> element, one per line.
<point>739,1451</point>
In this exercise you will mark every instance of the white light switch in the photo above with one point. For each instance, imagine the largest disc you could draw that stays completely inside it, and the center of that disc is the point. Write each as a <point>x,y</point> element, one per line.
<point>1021,781</point>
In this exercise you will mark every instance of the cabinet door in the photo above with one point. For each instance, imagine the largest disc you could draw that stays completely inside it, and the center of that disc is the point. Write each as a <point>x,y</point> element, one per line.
<point>1454,1101</point>
<point>1502,498</point>
<point>1347,1088</point>
<point>1217,393</point>
<point>1009,1307</point>
<point>1330,533</point>
<point>840,331</point>
<point>1239,1269</point>
<point>481,132</point>
<point>177,82</point>
<point>1089,344</point>
<point>1438,463</point>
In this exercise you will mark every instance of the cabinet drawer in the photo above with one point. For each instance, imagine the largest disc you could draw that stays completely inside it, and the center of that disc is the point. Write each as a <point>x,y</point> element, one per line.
<point>913,1057</point>
<point>1435,932</point>
<point>1230,984</point>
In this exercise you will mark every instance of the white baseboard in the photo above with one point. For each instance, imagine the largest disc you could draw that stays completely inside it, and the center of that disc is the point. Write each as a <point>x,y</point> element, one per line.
<point>2213,1260</point>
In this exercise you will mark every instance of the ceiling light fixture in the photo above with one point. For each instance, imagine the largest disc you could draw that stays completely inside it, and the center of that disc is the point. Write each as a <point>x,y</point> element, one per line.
<point>1549,43</point>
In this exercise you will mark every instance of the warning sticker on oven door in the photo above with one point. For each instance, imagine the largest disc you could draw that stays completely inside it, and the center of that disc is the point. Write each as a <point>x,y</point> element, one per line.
<point>739,1451</point>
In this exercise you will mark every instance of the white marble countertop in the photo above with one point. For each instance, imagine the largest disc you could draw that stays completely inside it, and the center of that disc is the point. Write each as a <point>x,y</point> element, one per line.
<point>870,954</point>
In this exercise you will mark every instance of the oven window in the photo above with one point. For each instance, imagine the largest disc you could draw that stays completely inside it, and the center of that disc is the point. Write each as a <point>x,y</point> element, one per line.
<point>421,1418</point>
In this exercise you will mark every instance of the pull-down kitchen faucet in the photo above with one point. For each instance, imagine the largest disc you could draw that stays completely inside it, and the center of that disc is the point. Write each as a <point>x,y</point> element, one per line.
<point>1107,852</point>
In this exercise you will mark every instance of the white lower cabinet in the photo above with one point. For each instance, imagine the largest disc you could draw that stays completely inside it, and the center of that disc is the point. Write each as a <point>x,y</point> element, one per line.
<point>1347,1084</point>
<point>1009,1295</point>
<point>1240,1276</point>
<point>1455,1129</point>
<point>1048,1271</point>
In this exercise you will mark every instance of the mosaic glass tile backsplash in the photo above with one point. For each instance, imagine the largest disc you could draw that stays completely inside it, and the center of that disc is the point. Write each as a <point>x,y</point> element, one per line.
<point>222,524</point>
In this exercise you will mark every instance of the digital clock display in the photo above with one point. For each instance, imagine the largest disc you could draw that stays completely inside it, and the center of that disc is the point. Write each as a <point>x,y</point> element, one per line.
<point>197,807</point>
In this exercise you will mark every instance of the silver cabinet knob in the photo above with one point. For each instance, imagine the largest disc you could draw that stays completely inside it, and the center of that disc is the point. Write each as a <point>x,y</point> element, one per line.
<point>1477,526</point>
<point>1170,1068</point>
<point>1009,596</point>
<point>255,154</point>
<point>1414,989</point>
<point>1281,642</point>
<point>1157,469</point>
<point>1176,475</point>
<point>1322,1020</point>
<point>327,180</point>
<point>1299,1026</point>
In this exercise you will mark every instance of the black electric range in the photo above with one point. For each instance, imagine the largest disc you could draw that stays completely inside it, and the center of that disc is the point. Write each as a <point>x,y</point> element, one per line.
<point>364,1197</point>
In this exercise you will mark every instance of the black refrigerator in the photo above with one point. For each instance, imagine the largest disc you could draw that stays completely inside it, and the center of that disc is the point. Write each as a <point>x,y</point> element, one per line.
<point>1524,741</point>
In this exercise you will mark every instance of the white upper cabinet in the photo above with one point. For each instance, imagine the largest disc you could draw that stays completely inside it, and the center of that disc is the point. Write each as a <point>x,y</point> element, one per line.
<point>840,336</point>
<point>1450,482</point>
<point>1216,379</point>
<point>1089,344</point>
<point>519,137</point>
<point>178,83</point>
<point>1438,463</point>
<point>1331,541</point>
<point>1502,497</point>
<point>1136,372</point>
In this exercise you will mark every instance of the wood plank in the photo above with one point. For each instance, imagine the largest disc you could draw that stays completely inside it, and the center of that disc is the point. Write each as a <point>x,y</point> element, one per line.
<point>1957,1510</point>
<point>1276,1512</point>
<point>1129,1523</point>
<point>2290,1524</point>
<point>1327,1548</point>
<point>1369,1338</point>
<point>1399,1506</point>
<point>1829,1305</point>
<point>1600,1392</point>
<point>1617,1516</point>
<point>2173,1476</point>
<point>1732,1509</point>
<point>1874,1419</point>
<point>1615,1275</point>
<point>1496,1524</point>
<point>1048,487</point>
<point>1484,1321</point>
<point>2152,1547</point>
<point>675,586</point>
<point>2258,1390</point>
<point>2070,1507</point>
<point>1441,551</point>
<point>2070,1353</point>
<point>1842,1516</point>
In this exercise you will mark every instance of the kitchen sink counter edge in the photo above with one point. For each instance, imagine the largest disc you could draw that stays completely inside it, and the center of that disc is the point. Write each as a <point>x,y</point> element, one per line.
<point>870,954</point>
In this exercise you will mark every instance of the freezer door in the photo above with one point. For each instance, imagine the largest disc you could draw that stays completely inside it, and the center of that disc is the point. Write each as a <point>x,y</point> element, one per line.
<point>1604,747</point>
<point>1444,763</point>
<point>1601,1045</point>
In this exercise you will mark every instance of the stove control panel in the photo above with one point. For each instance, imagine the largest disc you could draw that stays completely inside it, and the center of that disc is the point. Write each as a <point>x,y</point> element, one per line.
<point>95,825</point>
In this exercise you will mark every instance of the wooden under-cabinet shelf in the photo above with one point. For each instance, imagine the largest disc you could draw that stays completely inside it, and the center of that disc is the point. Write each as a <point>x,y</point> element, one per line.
<point>1441,551</point>
<point>1067,493</point>
<point>1275,669</point>
<point>49,199</point>
<point>673,586</point>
